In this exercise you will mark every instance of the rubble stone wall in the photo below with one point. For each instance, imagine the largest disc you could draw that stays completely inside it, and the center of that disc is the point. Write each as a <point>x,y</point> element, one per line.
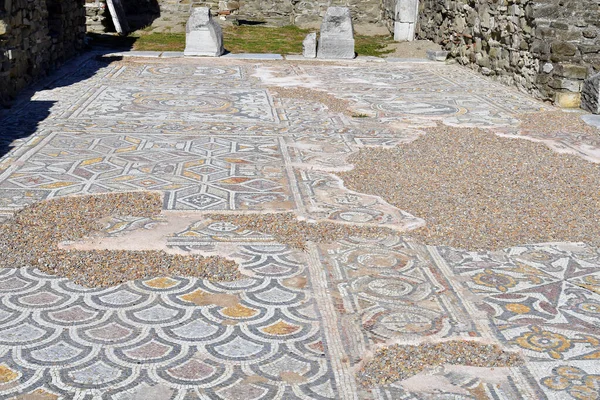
<point>295,12</point>
<point>36,36</point>
<point>546,47</point>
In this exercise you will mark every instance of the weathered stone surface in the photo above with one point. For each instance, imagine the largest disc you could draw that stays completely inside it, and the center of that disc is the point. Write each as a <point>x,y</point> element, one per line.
<point>3,27</point>
<point>567,99</point>
<point>590,95</point>
<point>337,37</point>
<point>405,19</point>
<point>309,45</point>
<point>203,35</point>
<point>437,55</point>
<point>307,13</point>
<point>117,12</point>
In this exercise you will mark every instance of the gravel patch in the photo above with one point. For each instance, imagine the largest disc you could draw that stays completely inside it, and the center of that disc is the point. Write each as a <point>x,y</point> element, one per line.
<point>550,123</point>
<point>31,238</point>
<point>287,229</point>
<point>478,191</point>
<point>399,362</point>
<point>333,103</point>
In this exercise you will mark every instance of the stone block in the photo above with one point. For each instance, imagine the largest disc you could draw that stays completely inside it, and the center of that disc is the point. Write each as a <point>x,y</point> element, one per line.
<point>590,95</point>
<point>309,45</point>
<point>571,71</point>
<point>117,12</point>
<point>566,84</point>
<point>563,48</point>
<point>203,35</point>
<point>567,99</point>
<point>337,37</point>
<point>404,31</point>
<point>437,55</point>
<point>4,27</point>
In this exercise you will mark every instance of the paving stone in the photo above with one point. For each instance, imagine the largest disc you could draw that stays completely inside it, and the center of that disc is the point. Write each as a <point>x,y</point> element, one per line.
<point>254,56</point>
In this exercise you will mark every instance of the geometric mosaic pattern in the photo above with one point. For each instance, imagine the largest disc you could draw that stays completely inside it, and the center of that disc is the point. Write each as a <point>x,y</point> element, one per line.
<point>210,135</point>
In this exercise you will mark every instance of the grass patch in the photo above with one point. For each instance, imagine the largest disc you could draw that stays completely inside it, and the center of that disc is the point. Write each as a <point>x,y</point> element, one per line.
<point>372,45</point>
<point>258,39</point>
<point>160,42</point>
<point>261,39</point>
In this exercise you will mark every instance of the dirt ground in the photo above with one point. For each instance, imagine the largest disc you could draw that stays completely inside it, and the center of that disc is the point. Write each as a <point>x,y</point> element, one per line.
<point>414,49</point>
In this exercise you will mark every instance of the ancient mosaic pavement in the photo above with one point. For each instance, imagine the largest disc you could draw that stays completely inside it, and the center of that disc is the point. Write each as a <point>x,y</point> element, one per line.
<point>212,137</point>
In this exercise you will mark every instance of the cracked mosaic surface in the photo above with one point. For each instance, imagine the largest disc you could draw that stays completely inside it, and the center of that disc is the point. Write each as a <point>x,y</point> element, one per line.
<point>210,135</point>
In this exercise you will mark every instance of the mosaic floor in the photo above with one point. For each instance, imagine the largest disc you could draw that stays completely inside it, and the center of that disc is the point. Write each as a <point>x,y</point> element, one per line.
<point>211,136</point>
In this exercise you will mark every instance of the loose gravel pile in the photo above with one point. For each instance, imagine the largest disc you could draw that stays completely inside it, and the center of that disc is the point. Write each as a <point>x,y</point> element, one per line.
<point>287,229</point>
<point>31,238</point>
<point>552,123</point>
<point>399,362</point>
<point>478,191</point>
<point>333,103</point>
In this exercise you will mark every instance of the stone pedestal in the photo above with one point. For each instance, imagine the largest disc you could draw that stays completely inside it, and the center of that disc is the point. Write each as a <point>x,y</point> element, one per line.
<point>203,36</point>
<point>337,36</point>
<point>406,12</point>
<point>309,46</point>
<point>590,95</point>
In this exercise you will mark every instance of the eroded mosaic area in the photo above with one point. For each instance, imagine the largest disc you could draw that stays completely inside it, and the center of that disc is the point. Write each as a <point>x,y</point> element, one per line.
<point>237,138</point>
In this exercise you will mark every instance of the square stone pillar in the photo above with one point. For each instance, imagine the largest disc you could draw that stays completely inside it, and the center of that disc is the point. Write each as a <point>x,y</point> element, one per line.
<point>337,36</point>
<point>203,35</point>
<point>405,21</point>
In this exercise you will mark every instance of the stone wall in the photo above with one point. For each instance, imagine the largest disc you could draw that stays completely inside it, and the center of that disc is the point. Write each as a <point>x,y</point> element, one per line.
<point>36,36</point>
<point>97,16</point>
<point>295,12</point>
<point>140,13</point>
<point>546,47</point>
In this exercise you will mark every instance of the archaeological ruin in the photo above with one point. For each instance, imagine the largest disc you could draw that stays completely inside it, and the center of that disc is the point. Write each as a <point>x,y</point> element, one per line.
<point>544,47</point>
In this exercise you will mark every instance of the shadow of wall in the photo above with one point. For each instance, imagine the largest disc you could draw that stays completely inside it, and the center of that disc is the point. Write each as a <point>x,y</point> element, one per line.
<point>27,114</point>
<point>141,13</point>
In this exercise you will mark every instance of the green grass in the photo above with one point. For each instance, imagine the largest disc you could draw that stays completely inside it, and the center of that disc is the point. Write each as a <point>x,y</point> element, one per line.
<point>258,39</point>
<point>372,45</point>
<point>160,42</point>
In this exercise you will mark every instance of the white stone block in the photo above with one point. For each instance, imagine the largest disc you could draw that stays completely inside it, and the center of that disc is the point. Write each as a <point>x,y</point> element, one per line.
<point>203,35</point>
<point>407,10</point>
<point>337,35</point>
<point>404,31</point>
<point>309,46</point>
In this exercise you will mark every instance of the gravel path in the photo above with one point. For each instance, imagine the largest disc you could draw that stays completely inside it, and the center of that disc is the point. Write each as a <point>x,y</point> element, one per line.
<point>399,362</point>
<point>478,191</point>
<point>32,236</point>
<point>287,229</point>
